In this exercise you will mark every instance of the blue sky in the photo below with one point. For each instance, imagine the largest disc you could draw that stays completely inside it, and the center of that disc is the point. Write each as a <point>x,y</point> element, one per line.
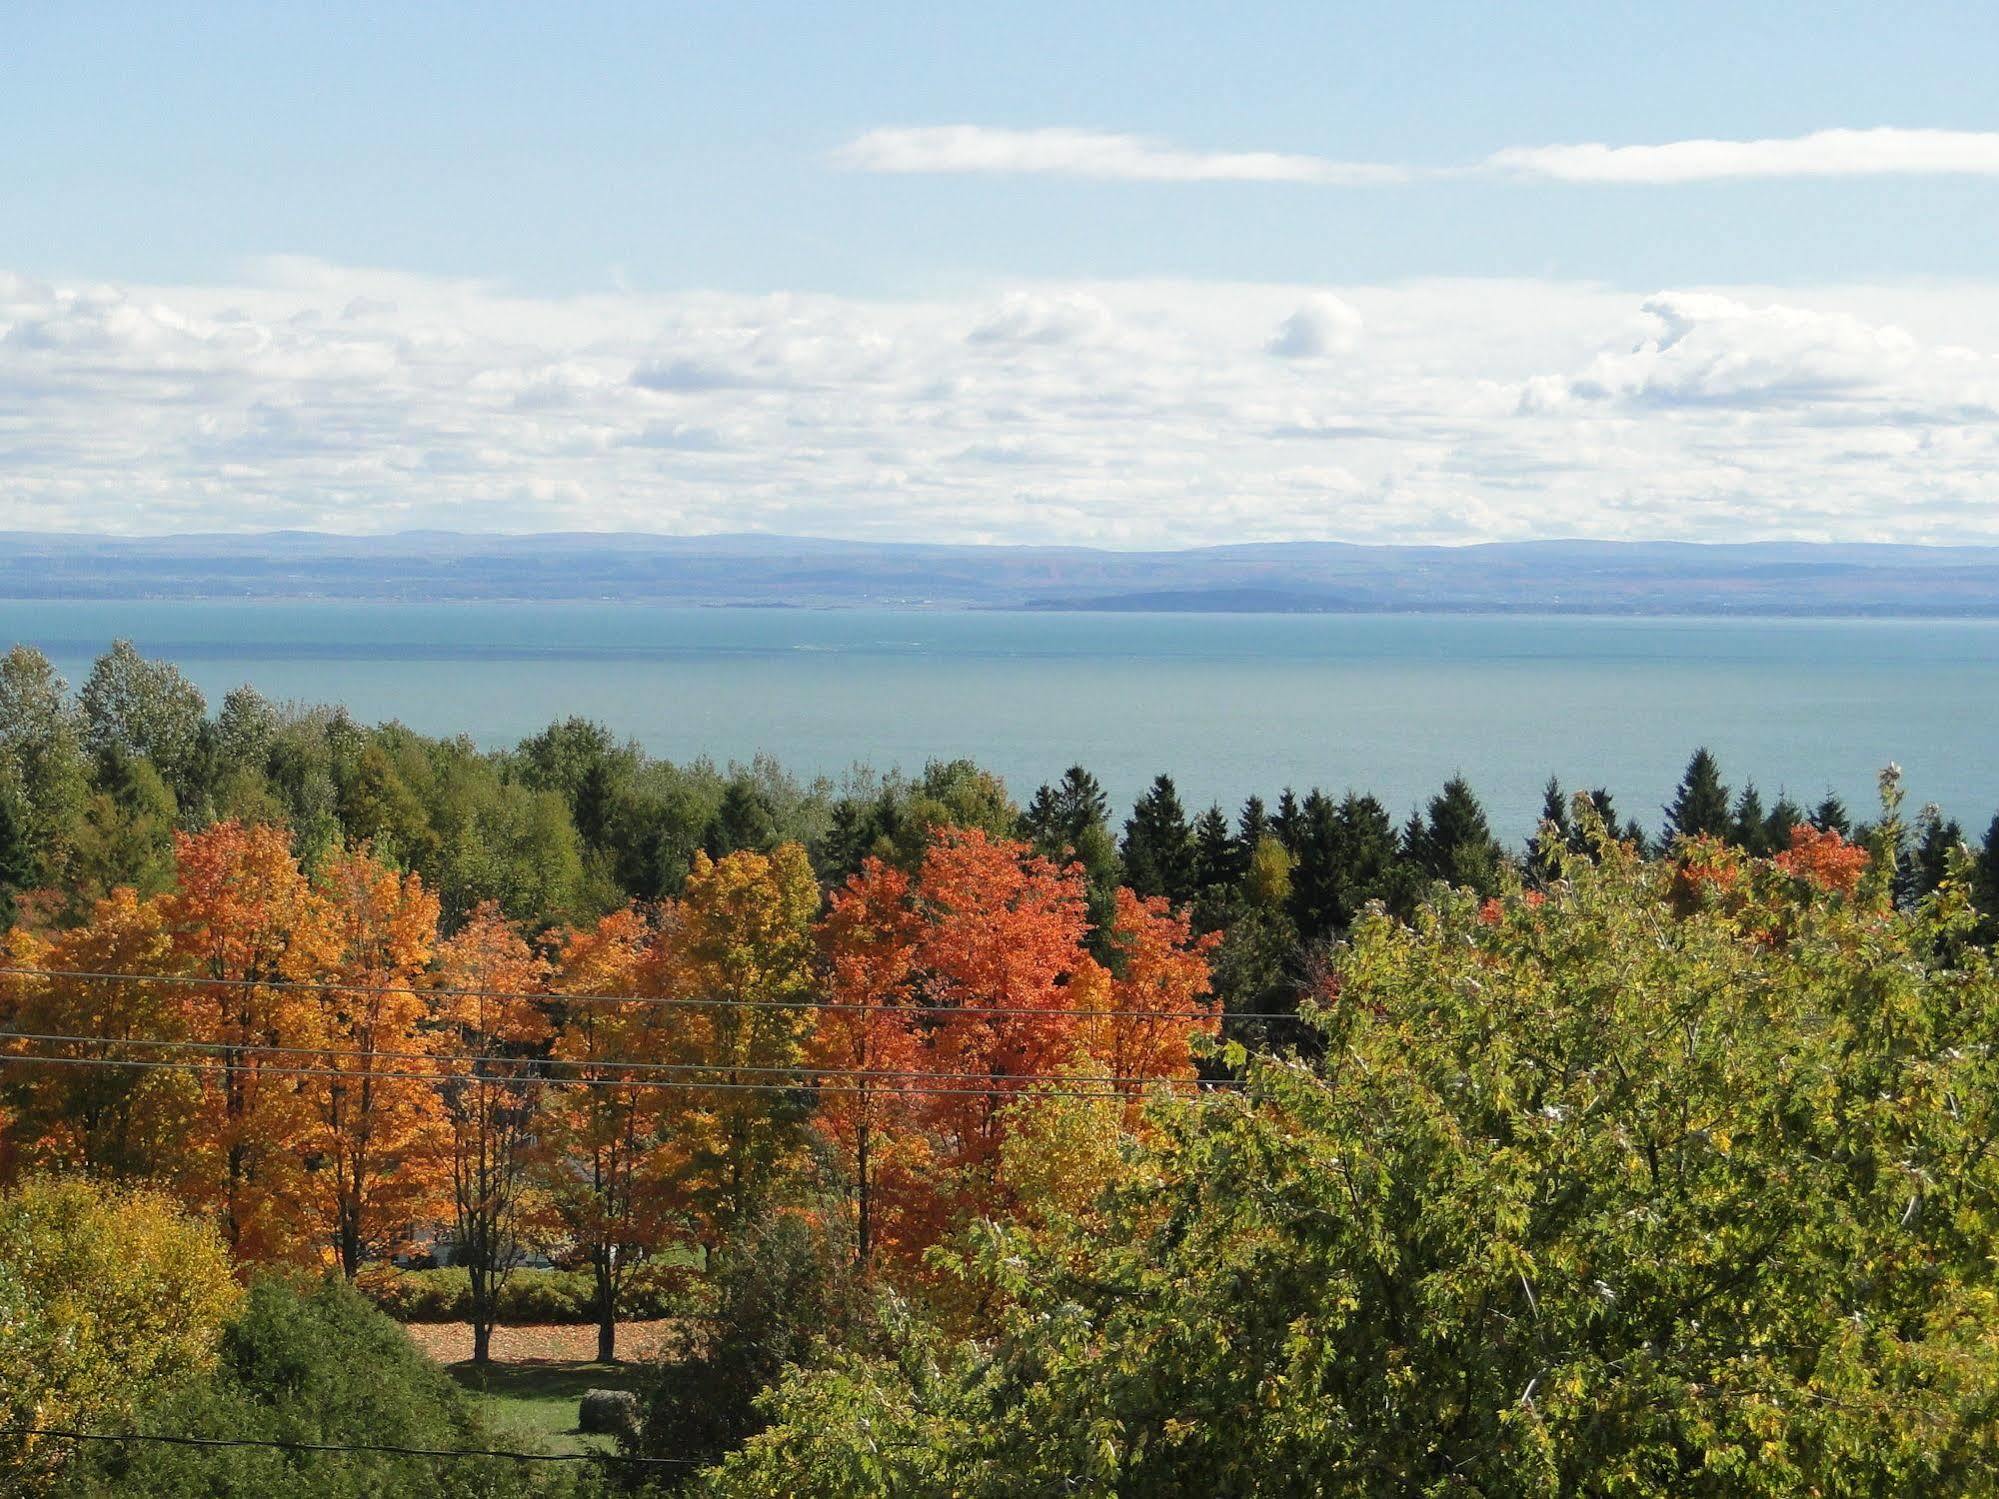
<point>1073,238</point>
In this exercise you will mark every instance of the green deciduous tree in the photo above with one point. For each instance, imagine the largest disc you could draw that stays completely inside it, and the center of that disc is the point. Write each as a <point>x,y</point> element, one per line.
<point>1587,1198</point>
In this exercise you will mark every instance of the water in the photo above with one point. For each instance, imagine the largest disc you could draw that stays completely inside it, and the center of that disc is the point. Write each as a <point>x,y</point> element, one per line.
<point>1229,704</point>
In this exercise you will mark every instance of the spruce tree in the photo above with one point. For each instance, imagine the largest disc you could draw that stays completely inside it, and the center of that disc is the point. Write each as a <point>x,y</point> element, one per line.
<point>1936,837</point>
<point>1784,816</point>
<point>1555,816</point>
<point>1289,823</point>
<point>1346,856</point>
<point>1985,879</point>
<point>1829,816</point>
<point>1159,845</point>
<point>1456,844</point>
<point>1219,860</point>
<point>17,859</point>
<point>1700,806</point>
<point>1253,823</point>
<point>1749,829</point>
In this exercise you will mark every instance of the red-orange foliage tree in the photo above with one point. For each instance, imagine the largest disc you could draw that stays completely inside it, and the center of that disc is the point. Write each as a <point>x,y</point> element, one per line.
<point>599,1132</point>
<point>243,914</point>
<point>376,1134</point>
<point>488,981</point>
<point>869,942</point>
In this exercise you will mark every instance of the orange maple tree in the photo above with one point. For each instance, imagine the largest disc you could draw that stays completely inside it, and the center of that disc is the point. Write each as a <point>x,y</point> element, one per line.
<point>244,915</point>
<point>488,980</point>
<point>377,1131</point>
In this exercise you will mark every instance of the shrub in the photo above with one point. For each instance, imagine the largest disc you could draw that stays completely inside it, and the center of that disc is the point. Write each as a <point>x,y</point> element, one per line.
<point>313,1365</point>
<point>104,1295</point>
<point>781,1289</point>
<point>529,1295</point>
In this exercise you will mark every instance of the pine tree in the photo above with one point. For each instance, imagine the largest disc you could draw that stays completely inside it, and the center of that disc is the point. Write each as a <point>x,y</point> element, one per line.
<point>1057,817</point>
<point>1456,843</point>
<point>1700,807</point>
<point>1784,816</point>
<point>17,860</point>
<point>1346,856</point>
<point>1985,878</point>
<point>1555,815</point>
<point>1289,823</point>
<point>1937,836</point>
<point>1253,823</point>
<point>1749,830</point>
<point>1159,845</point>
<point>1829,816</point>
<point>1219,860</point>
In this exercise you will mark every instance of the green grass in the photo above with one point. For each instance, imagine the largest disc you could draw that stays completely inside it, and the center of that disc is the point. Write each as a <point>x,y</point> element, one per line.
<point>537,1402</point>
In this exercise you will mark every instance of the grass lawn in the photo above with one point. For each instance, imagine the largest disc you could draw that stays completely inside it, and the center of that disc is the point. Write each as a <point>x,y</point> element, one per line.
<point>536,1401</point>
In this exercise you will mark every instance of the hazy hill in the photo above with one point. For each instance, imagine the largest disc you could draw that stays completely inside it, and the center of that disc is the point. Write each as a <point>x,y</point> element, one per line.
<point>1572,576</point>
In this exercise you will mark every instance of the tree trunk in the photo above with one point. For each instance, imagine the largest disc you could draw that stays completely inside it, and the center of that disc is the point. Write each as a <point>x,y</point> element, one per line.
<point>482,1341</point>
<point>607,1308</point>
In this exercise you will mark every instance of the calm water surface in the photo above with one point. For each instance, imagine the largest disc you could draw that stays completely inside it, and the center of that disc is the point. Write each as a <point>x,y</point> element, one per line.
<point>1230,704</point>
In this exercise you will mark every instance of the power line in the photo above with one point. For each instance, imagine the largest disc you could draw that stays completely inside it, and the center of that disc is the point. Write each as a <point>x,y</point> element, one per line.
<point>344,1447</point>
<point>1008,1088</point>
<point>799,1073</point>
<point>322,986</point>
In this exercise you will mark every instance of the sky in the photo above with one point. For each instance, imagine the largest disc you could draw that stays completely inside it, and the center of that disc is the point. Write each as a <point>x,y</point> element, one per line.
<point>1120,275</point>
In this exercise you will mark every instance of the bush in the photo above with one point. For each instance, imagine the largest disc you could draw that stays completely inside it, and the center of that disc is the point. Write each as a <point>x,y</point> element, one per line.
<point>314,1365</point>
<point>529,1295</point>
<point>104,1295</point>
<point>782,1289</point>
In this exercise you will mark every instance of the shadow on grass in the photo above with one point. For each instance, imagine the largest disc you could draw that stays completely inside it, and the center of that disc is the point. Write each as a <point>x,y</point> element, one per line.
<point>538,1379</point>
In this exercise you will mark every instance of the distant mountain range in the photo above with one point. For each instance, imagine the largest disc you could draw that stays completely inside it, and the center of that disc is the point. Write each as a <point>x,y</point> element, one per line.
<point>1768,578</point>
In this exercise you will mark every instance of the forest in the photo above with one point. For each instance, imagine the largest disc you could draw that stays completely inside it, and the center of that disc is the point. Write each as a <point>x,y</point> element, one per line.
<point>992,1148</point>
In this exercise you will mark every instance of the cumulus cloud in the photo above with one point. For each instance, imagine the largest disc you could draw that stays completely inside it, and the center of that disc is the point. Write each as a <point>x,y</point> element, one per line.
<point>1322,325</point>
<point>1700,348</point>
<point>1100,155</point>
<point>1031,318</point>
<point>1134,412</point>
<point>1823,153</point>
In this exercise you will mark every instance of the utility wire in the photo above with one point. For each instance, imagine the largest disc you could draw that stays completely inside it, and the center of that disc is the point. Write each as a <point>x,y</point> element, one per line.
<point>346,1447</point>
<point>1010,1087</point>
<point>800,1074</point>
<point>670,1002</point>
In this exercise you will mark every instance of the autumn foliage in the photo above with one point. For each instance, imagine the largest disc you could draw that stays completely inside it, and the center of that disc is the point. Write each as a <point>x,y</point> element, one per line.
<point>303,1054</point>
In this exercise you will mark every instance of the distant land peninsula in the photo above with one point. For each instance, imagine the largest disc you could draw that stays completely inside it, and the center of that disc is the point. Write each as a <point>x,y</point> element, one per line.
<point>1592,577</point>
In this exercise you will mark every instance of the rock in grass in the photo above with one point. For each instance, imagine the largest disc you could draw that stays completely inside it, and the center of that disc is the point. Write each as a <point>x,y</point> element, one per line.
<point>608,1412</point>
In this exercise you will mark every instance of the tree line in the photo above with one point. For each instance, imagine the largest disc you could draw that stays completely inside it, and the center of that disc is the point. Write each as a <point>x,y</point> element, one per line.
<point>573,823</point>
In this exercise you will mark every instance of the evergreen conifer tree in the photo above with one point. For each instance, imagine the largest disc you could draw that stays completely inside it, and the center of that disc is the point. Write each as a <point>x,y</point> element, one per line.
<point>1456,843</point>
<point>17,859</point>
<point>1784,816</point>
<point>1159,845</point>
<point>1749,829</point>
<point>1253,823</point>
<point>1700,806</point>
<point>1985,879</point>
<point>1936,837</point>
<point>1289,823</point>
<point>1219,860</point>
<point>1555,814</point>
<point>1830,816</point>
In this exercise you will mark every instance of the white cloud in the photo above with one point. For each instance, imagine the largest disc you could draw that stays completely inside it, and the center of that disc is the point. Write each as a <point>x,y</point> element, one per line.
<point>1136,412</point>
<point>1115,157</point>
<point>1823,153</point>
<point>1322,325</point>
<point>1100,155</point>
<point>1699,348</point>
<point>1029,318</point>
